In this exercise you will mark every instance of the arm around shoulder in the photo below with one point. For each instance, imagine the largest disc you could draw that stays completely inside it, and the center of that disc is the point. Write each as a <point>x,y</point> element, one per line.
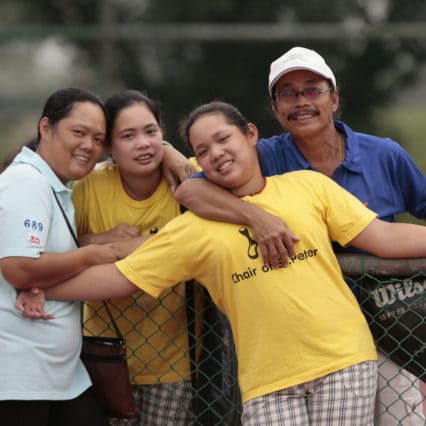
<point>212,202</point>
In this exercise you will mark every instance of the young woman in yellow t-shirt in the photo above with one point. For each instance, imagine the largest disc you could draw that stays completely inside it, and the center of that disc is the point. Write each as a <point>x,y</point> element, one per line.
<point>126,199</point>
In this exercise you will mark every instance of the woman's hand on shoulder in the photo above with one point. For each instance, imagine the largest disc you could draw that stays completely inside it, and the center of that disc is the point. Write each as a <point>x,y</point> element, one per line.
<point>176,167</point>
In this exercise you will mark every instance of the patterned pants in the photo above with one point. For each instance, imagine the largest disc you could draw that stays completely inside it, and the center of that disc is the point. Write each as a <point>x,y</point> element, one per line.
<point>165,404</point>
<point>343,398</point>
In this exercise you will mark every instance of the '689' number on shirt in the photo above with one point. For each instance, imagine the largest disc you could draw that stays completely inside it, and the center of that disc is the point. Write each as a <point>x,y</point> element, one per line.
<point>33,224</point>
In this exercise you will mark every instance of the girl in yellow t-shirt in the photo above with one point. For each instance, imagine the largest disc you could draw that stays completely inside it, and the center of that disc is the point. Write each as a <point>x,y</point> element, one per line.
<point>126,199</point>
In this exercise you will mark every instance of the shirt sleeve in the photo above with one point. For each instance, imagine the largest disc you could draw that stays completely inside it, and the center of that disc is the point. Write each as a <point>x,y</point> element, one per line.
<point>26,214</point>
<point>157,264</point>
<point>344,214</point>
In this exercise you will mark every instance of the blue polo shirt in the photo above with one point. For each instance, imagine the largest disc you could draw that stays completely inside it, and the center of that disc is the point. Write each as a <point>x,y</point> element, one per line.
<point>378,171</point>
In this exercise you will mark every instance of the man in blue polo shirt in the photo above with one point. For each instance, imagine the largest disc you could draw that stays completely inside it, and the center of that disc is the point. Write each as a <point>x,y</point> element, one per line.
<point>304,99</point>
<point>376,170</point>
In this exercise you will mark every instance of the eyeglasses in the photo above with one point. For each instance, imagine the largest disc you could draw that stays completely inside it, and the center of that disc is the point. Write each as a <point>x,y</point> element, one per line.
<point>310,93</point>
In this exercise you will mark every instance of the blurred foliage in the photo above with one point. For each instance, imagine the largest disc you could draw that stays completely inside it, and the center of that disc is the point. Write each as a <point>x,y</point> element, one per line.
<point>407,125</point>
<point>183,74</point>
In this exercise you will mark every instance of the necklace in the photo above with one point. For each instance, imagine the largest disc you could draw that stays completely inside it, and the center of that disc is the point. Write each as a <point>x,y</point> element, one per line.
<point>340,148</point>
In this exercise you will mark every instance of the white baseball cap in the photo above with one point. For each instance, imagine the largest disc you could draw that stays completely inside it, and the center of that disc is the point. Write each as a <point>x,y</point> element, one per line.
<point>300,58</point>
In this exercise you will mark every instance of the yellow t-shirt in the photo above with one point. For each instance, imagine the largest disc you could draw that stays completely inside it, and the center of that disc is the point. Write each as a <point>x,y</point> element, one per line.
<point>291,325</point>
<point>154,329</point>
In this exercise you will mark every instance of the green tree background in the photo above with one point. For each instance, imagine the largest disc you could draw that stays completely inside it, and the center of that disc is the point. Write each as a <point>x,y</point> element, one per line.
<point>372,71</point>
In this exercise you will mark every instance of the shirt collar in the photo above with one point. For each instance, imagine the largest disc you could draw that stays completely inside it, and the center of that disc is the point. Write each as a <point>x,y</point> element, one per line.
<point>28,156</point>
<point>352,158</point>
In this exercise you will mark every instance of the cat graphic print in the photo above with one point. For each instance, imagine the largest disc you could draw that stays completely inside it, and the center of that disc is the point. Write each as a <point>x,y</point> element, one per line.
<point>253,253</point>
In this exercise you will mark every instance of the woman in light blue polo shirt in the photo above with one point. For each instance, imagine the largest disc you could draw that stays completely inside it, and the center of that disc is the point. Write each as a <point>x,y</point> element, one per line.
<point>43,382</point>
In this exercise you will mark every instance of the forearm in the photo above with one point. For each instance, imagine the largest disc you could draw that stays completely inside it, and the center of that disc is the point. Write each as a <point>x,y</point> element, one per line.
<point>212,202</point>
<point>120,232</point>
<point>129,245</point>
<point>392,240</point>
<point>48,269</point>
<point>406,240</point>
<point>92,238</point>
<point>94,283</point>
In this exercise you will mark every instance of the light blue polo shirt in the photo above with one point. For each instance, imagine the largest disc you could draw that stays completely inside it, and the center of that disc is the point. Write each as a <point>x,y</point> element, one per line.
<point>39,360</point>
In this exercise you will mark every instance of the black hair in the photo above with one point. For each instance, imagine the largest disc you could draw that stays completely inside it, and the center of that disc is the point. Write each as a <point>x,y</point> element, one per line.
<point>60,103</point>
<point>231,113</point>
<point>31,144</point>
<point>115,103</point>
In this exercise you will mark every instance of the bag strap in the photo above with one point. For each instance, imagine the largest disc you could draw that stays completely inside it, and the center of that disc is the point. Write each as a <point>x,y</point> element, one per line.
<point>114,324</point>
<point>74,237</point>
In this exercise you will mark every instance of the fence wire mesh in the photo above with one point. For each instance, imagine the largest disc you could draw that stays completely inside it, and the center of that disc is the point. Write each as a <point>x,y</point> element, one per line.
<point>183,338</point>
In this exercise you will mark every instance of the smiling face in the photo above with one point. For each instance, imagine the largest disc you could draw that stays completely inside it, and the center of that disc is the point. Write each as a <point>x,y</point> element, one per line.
<point>227,155</point>
<point>136,141</point>
<point>73,145</point>
<point>300,116</point>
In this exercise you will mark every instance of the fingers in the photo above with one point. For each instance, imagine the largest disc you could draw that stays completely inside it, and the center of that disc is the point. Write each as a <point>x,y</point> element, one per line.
<point>184,172</point>
<point>274,237</point>
<point>274,253</point>
<point>114,253</point>
<point>172,180</point>
<point>190,170</point>
<point>124,230</point>
<point>179,173</point>
<point>131,231</point>
<point>287,244</point>
<point>278,249</point>
<point>33,312</point>
<point>20,305</point>
<point>37,313</point>
<point>282,255</point>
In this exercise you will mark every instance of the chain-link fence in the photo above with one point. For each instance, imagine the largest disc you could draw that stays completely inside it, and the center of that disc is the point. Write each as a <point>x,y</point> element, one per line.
<point>391,295</point>
<point>183,338</point>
